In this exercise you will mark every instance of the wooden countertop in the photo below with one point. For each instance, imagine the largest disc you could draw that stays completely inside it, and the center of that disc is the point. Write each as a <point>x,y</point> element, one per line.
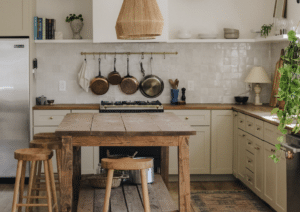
<point>259,112</point>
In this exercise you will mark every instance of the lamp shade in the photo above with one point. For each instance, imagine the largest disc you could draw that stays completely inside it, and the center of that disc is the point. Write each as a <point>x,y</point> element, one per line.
<point>139,19</point>
<point>258,75</point>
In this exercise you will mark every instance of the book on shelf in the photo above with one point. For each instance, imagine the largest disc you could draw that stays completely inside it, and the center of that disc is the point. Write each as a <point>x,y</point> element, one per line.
<point>44,28</point>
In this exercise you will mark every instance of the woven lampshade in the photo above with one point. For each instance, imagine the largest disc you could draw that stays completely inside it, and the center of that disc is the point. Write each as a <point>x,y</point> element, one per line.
<point>258,75</point>
<point>139,19</point>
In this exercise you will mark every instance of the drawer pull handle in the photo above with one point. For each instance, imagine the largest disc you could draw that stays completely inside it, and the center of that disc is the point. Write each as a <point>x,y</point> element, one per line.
<point>186,118</point>
<point>249,180</point>
<point>51,117</point>
<point>249,161</point>
<point>249,143</point>
<point>249,125</point>
<point>235,114</point>
<point>257,148</point>
<point>241,121</point>
<point>258,128</point>
<point>272,150</point>
<point>244,135</point>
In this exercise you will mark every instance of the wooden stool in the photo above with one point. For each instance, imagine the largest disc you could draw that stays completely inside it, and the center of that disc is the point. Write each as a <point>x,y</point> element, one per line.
<point>126,164</point>
<point>34,155</point>
<point>50,144</point>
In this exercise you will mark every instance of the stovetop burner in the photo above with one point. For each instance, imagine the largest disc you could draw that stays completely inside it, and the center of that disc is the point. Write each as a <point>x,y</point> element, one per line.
<point>131,107</point>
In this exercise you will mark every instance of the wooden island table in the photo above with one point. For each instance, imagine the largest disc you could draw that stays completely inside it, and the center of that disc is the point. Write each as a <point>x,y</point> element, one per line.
<point>126,129</point>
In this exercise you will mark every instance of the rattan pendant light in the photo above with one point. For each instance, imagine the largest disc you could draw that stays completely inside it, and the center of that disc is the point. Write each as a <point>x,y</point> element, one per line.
<point>139,19</point>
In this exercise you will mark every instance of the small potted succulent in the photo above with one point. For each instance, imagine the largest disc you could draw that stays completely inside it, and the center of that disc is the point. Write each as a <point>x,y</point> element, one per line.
<point>76,23</point>
<point>265,30</point>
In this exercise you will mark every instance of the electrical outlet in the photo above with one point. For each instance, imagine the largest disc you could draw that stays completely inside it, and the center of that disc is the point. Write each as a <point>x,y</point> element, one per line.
<point>248,86</point>
<point>190,85</point>
<point>62,86</point>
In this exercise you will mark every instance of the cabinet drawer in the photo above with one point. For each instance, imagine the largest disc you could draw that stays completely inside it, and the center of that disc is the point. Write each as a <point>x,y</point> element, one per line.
<point>249,178</point>
<point>49,117</point>
<point>250,122</point>
<point>259,129</point>
<point>271,133</point>
<point>193,117</point>
<point>250,161</point>
<point>250,143</point>
<point>241,121</point>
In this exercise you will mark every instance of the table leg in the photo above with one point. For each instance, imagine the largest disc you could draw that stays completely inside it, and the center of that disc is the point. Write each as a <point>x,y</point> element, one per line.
<point>165,165</point>
<point>184,174</point>
<point>66,174</point>
<point>76,176</point>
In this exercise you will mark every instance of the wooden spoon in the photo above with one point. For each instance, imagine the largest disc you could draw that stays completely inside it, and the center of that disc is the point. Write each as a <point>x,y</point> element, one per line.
<point>176,83</point>
<point>172,84</point>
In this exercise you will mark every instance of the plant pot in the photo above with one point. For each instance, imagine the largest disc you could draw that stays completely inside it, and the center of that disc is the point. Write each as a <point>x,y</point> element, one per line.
<point>76,26</point>
<point>281,105</point>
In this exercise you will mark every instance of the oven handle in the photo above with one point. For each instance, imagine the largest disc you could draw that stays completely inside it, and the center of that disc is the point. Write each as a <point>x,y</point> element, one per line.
<point>295,150</point>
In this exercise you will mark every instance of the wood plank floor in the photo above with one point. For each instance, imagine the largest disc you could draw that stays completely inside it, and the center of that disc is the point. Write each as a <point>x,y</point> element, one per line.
<point>6,194</point>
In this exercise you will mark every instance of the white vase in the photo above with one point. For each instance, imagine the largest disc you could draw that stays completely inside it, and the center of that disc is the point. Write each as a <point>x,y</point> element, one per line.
<point>76,26</point>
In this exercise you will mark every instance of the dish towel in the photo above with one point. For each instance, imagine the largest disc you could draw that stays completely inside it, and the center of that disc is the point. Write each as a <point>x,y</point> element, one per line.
<point>83,79</point>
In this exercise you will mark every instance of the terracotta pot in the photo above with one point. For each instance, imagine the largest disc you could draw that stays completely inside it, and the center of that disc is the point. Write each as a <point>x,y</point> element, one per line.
<point>76,26</point>
<point>281,105</point>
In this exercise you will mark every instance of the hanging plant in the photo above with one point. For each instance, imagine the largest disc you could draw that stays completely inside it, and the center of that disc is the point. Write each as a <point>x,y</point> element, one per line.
<point>289,91</point>
<point>265,30</point>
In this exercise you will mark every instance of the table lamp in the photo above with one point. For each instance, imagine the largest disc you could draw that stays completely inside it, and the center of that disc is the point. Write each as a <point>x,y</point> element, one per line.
<point>257,75</point>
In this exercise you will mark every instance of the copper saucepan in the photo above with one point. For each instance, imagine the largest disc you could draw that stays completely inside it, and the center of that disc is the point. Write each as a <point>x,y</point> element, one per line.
<point>99,85</point>
<point>129,84</point>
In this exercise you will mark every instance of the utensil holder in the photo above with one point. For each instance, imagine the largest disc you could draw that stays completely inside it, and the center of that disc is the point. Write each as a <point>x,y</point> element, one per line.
<point>174,96</point>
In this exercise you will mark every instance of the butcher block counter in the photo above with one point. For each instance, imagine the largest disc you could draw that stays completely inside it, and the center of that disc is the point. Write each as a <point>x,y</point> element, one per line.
<point>115,129</point>
<point>260,112</point>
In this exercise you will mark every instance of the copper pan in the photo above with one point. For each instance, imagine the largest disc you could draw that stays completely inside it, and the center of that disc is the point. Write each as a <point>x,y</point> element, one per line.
<point>99,85</point>
<point>129,84</point>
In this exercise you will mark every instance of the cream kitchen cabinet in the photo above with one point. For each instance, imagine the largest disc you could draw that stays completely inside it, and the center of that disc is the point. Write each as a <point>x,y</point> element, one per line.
<point>221,141</point>
<point>235,144</point>
<point>274,179</point>
<point>105,15</point>
<point>48,121</point>
<point>199,144</point>
<point>241,154</point>
<point>16,17</point>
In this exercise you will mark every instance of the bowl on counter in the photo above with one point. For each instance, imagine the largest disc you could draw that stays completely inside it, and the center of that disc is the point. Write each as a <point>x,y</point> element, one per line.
<point>50,102</point>
<point>241,99</point>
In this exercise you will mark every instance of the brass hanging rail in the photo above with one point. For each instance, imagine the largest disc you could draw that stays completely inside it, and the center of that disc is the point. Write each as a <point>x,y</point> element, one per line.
<point>127,53</point>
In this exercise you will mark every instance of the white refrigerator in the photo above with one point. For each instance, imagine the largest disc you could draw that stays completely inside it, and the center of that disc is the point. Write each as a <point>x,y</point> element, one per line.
<point>14,102</point>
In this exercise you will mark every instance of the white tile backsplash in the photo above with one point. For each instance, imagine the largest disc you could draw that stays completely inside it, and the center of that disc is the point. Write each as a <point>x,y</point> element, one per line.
<point>217,69</point>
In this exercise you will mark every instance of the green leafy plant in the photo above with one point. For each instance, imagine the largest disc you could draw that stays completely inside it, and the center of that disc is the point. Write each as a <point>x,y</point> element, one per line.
<point>73,17</point>
<point>289,91</point>
<point>265,30</point>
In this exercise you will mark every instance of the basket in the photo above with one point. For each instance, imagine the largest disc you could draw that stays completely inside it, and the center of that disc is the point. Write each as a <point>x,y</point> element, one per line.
<point>99,180</point>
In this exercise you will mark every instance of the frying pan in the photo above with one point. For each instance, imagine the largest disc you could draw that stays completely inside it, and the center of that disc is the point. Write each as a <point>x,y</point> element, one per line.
<point>114,77</point>
<point>129,84</point>
<point>99,85</point>
<point>151,86</point>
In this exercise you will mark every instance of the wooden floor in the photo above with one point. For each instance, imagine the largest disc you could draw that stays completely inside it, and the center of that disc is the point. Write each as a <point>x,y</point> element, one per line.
<point>6,193</point>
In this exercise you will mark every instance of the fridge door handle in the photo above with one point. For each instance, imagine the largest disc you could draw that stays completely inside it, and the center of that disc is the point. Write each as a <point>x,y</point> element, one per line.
<point>294,150</point>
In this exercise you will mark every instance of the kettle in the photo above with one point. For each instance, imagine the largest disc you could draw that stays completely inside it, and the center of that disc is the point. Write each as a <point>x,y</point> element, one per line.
<point>42,100</point>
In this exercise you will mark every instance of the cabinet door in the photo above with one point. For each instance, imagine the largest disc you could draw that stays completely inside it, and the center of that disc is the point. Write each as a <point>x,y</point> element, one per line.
<point>14,18</point>
<point>199,153</point>
<point>235,145</point>
<point>89,155</point>
<point>241,141</point>
<point>258,167</point>
<point>222,142</point>
<point>105,15</point>
<point>274,179</point>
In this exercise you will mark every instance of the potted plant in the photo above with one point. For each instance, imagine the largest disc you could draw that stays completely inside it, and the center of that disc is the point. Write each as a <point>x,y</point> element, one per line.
<point>265,30</point>
<point>289,90</point>
<point>76,23</point>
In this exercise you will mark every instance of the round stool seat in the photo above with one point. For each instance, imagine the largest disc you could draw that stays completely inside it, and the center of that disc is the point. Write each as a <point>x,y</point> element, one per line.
<point>46,144</point>
<point>126,163</point>
<point>33,154</point>
<point>45,136</point>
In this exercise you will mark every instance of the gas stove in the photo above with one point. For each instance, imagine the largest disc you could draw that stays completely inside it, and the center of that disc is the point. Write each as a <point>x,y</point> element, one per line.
<point>131,107</point>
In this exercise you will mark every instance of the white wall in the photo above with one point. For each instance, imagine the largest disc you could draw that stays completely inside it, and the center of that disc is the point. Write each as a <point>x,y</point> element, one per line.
<point>199,16</point>
<point>293,11</point>
<point>207,16</point>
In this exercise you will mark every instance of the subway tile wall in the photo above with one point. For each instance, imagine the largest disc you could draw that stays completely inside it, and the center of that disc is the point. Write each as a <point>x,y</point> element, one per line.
<point>217,69</point>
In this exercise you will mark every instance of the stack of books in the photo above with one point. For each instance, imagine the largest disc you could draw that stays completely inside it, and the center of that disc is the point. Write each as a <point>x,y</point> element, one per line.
<point>44,28</point>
